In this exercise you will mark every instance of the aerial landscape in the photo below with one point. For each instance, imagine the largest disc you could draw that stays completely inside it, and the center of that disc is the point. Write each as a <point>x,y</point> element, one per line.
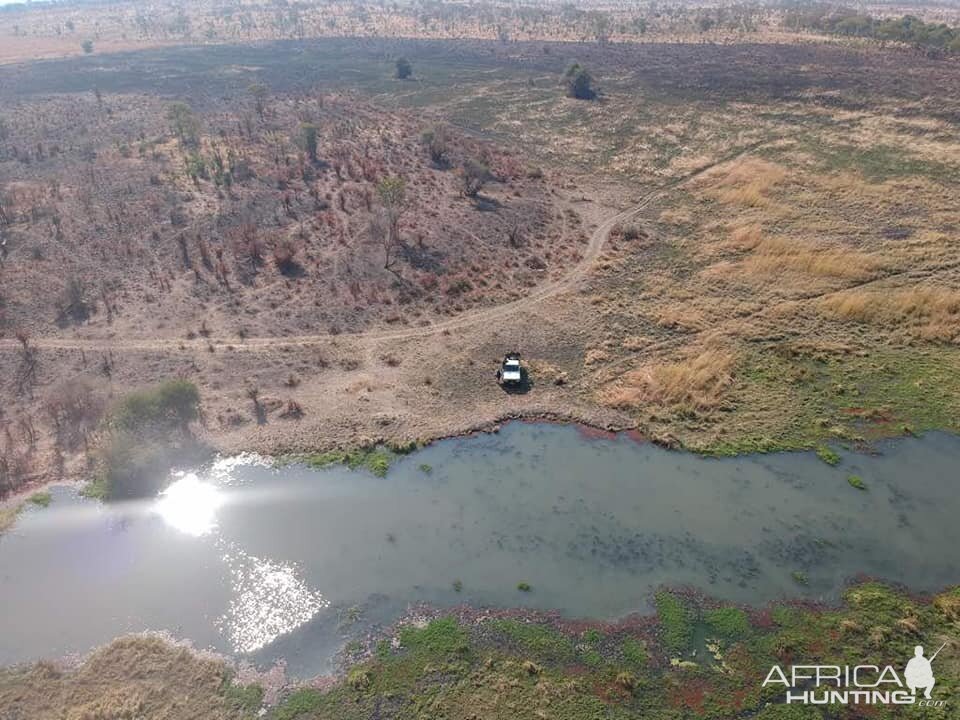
<point>477,360</point>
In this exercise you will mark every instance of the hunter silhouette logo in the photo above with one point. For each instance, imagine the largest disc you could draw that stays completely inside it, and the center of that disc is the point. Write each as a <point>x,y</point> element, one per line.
<point>919,671</point>
<point>859,684</point>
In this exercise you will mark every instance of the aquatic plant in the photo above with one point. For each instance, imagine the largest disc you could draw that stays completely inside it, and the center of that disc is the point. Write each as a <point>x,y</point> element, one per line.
<point>443,636</point>
<point>42,498</point>
<point>828,455</point>
<point>425,468</point>
<point>857,482</point>
<point>800,578</point>
<point>676,622</point>
<point>457,585</point>
<point>730,623</point>
<point>524,587</point>
<point>373,459</point>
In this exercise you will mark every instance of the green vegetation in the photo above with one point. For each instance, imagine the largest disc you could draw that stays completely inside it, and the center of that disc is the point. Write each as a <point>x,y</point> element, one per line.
<point>857,482</point>
<point>729,623</point>
<point>494,668</point>
<point>403,68</point>
<point>425,468</point>
<point>440,637</point>
<point>524,587</point>
<point>300,704</point>
<point>828,455</point>
<point>373,459</point>
<point>42,498</point>
<point>845,397</point>
<point>308,136</point>
<point>634,654</point>
<point>547,644</point>
<point>908,29</point>
<point>172,405</point>
<point>145,435</point>
<point>800,578</point>
<point>676,622</point>
<point>579,83</point>
<point>245,699</point>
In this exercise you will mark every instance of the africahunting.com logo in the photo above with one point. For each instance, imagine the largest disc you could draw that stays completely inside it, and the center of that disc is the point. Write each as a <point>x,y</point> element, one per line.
<point>859,684</point>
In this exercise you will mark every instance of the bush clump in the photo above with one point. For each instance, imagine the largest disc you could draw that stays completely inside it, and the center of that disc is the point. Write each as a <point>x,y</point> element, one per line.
<point>146,433</point>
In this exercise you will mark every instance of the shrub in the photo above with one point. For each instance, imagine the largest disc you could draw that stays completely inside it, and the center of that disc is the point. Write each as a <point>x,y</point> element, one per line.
<point>475,175</point>
<point>171,405</point>
<point>403,68</point>
<point>579,83</point>
<point>437,145</point>
<point>359,679</point>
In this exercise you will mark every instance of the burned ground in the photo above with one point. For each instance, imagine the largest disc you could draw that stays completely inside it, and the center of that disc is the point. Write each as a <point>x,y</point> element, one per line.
<point>785,278</point>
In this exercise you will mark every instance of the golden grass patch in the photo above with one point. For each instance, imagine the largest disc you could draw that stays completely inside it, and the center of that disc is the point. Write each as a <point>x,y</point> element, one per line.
<point>930,312</point>
<point>698,381</point>
<point>776,255</point>
<point>747,181</point>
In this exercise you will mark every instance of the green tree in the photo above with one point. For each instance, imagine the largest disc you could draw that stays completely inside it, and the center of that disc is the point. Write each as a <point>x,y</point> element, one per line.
<point>385,226</point>
<point>474,174</point>
<point>308,134</point>
<point>87,46</point>
<point>404,68</point>
<point>183,123</point>
<point>579,83</point>
<point>435,140</point>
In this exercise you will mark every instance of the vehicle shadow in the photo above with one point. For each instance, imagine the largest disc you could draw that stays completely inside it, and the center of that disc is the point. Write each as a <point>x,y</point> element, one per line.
<point>521,388</point>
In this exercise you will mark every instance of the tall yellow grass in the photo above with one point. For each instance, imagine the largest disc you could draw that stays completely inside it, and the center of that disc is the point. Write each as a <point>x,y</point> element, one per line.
<point>772,255</point>
<point>747,181</point>
<point>698,381</point>
<point>930,312</point>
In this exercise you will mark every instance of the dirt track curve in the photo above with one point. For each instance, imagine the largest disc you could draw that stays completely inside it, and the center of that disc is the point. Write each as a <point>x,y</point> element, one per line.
<point>548,290</point>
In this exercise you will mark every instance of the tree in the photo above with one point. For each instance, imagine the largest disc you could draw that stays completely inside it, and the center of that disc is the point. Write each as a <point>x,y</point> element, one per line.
<point>259,91</point>
<point>579,83</point>
<point>308,134</point>
<point>385,226</point>
<point>474,174</point>
<point>404,68</point>
<point>437,145</point>
<point>183,123</point>
<point>87,46</point>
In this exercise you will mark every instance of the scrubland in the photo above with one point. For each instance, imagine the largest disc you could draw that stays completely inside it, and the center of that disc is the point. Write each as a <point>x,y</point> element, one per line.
<point>785,275</point>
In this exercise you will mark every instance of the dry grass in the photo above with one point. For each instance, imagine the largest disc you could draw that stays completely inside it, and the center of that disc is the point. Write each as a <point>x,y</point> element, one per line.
<point>747,182</point>
<point>134,677</point>
<point>931,313</point>
<point>8,516</point>
<point>698,381</point>
<point>776,255</point>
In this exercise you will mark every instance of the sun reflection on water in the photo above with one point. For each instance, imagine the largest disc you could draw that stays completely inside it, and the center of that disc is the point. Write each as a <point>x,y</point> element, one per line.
<point>190,505</point>
<point>269,600</point>
<point>268,597</point>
